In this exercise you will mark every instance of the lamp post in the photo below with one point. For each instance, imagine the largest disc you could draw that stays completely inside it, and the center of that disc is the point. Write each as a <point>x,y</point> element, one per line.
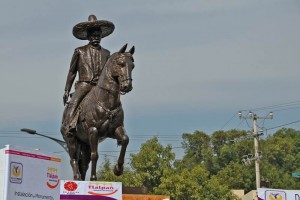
<point>33,132</point>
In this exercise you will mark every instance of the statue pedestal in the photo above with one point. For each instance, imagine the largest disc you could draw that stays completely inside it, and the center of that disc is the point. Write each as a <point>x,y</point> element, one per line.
<point>90,190</point>
<point>100,190</point>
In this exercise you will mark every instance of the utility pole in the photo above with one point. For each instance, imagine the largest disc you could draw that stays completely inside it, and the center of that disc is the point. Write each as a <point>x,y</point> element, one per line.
<point>257,160</point>
<point>256,134</point>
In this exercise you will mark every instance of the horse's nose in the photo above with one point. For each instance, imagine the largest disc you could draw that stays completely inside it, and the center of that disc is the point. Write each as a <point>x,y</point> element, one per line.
<point>127,86</point>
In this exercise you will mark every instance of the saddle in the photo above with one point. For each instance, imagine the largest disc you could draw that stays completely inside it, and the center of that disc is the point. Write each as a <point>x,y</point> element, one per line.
<point>111,114</point>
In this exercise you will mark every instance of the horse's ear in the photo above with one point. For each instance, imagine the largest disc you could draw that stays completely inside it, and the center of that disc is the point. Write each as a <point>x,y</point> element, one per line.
<point>123,49</point>
<point>132,50</point>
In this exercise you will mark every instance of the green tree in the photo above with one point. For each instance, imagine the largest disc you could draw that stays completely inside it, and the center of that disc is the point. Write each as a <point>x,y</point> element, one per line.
<point>198,150</point>
<point>235,148</point>
<point>281,157</point>
<point>214,190</point>
<point>151,162</point>
<point>211,165</point>
<point>128,178</point>
<point>185,184</point>
<point>219,139</point>
<point>237,176</point>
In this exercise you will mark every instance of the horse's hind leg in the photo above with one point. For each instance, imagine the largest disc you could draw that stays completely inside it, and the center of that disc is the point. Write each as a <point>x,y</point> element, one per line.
<point>123,140</point>
<point>73,153</point>
<point>93,139</point>
<point>84,160</point>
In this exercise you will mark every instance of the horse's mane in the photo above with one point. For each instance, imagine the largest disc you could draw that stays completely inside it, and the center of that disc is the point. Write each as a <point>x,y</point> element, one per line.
<point>110,59</point>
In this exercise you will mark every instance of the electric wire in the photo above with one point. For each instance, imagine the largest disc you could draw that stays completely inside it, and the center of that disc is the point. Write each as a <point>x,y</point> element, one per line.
<point>248,124</point>
<point>283,125</point>
<point>286,109</point>
<point>164,137</point>
<point>292,105</point>
<point>287,104</point>
<point>239,123</point>
<point>228,121</point>
<point>275,108</point>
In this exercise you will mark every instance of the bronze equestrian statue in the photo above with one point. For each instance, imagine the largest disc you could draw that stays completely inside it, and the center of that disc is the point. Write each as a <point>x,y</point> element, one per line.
<point>88,61</point>
<point>96,113</point>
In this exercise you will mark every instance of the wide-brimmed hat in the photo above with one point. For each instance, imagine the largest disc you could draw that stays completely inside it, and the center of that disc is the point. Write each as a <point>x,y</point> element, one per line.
<point>80,30</point>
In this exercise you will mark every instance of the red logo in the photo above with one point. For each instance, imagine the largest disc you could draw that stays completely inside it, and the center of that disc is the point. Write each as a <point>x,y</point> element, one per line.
<point>70,186</point>
<point>52,186</point>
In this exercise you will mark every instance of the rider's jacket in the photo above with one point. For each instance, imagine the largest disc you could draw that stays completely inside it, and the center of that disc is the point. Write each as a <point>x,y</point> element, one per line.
<point>88,61</point>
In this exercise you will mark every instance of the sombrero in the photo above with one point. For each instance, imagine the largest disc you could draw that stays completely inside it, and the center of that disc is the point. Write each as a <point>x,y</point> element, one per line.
<point>80,30</point>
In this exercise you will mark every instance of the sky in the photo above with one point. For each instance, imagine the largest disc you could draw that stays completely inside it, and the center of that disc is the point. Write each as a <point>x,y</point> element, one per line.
<point>197,63</point>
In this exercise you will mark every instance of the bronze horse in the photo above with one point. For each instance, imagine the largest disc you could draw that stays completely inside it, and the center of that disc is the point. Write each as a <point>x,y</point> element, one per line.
<point>101,116</point>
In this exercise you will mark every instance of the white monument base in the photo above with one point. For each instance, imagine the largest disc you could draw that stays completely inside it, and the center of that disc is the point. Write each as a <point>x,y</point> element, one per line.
<point>28,174</point>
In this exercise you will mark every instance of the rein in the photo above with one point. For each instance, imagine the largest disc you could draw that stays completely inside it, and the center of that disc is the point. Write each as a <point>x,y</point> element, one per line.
<point>108,90</point>
<point>111,113</point>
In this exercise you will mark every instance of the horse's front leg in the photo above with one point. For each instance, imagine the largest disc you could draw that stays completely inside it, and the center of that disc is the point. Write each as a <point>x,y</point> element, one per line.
<point>123,140</point>
<point>93,139</point>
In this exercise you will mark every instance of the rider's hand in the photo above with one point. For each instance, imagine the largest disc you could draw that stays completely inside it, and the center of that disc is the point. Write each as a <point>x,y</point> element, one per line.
<point>65,97</point>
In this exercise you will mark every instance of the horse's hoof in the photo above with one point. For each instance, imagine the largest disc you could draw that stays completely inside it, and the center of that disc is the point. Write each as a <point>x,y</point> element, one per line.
<point>118,170</point>
<point>93,178</point>
<point>77,177</point>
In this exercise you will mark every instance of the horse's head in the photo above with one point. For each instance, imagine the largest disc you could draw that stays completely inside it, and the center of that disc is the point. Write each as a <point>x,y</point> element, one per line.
<point>122,66</point>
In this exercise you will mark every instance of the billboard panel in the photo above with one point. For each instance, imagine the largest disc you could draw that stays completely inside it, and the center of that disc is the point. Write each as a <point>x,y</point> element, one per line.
<point>274,194</point>
<point>29,174</point>
<point>90,190</point>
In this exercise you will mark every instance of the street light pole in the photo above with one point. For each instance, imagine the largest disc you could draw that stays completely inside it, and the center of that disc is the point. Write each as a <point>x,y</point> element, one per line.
<point>33,132</point>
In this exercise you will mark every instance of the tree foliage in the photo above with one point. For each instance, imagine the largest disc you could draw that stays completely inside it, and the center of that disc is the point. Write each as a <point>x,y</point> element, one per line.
<point>212,165</point>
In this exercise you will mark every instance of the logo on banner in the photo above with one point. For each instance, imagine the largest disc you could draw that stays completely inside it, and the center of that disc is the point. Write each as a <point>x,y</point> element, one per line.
<point>275,195</point>
<point>16,172</point>
<point>70,188</point>
<point>102,189</point>
<point>52,177</point>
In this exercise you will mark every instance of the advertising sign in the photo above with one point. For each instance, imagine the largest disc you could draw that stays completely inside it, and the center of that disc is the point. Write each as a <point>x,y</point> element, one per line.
<point>90,190</point>
<point>28,174</point>
<point>278,194</point>
<point>296,174</point>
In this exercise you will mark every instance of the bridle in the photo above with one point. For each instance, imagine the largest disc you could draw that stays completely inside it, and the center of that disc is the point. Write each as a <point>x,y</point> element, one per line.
<point>123,80</point>
<point>112,91</point>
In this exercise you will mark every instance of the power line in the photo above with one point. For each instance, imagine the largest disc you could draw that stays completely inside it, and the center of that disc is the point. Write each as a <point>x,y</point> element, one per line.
<point>283,125</point>
<point>228,121</point>
<point>288,104</point>
<point>6,136</point>
<point>274,108</point>
<point>248,124</point>
<point>286,109</point>
<point>19,132</point>
<point>239,124</point>
<point>10,131</point>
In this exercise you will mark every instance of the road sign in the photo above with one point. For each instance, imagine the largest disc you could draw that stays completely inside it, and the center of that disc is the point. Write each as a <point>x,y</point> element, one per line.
<point>296,174</point>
